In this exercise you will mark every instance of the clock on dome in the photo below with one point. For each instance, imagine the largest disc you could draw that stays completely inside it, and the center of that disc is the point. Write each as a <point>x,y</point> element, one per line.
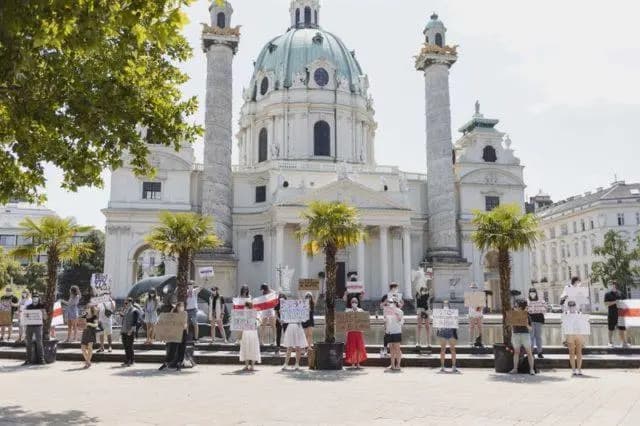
<point>321,76</point>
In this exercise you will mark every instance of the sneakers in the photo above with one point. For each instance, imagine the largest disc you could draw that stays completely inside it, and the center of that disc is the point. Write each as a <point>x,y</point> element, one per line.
<point>454,369</point>
<point>579,372</point>
<point>574,372</point>
<point>625,345</point>
<point>514,371</point>
<point>540,356</point>
<point>610,345</point>
<point>532,372</point>
<point>443,370</point>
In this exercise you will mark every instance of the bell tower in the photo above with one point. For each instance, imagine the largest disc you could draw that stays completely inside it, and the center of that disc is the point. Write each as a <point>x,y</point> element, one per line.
<point>305,13</point>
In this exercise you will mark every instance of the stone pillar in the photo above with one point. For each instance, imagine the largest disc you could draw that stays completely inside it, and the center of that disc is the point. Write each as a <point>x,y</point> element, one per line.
<point>384,258</point>
<point>406,255</point>
<point>361,254</point>
<point>304,259</point>
<point>279,249</point>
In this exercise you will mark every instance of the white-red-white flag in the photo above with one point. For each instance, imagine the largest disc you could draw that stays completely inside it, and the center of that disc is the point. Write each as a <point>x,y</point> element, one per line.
<point>629,313</point>
<point>57,317</point>
<point>238,303</point>
<point>268,301</point>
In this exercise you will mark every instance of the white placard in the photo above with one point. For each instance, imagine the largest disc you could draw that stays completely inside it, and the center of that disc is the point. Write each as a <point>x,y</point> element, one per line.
<point>580,295</point>
<point>474,299</point>
<point>243,320</point>
<point>394,296</point>
<point>354,287</point>
<point>31,317</point>
<point>537,307</point>
<point>294,311</point>
<point>206,272</point>
<point>445,318</point>
<point>576,324</point>
<point>105,298</point>
<point>101,284</point>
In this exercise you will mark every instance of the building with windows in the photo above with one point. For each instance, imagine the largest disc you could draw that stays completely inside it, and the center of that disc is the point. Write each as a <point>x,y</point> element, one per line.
<point>307,132</point>
<point>11,215</point>
<point>571,228</point>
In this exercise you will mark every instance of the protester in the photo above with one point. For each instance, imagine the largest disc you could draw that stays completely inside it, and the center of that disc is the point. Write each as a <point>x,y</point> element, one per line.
<point>566,296</point>
<point>280,326</point>
<point>105,319</point>
<point>395,295</point>
<point>393,321</point>
<point>355,350</point>
<point>8,303</point>
<point>537,322</point>
<point>611,301</point>
<point>216,314</point>
<point>447,336</point>
<point>34,333</point>
<point>390,296</point>
<point>385,343</point>
<point>268,321</point>
<point>150,309</point>
<point>422,316</point>
<point>244,292</point>
<point>294,339</point>
<point>250,344</point>
<point>308,325</point>
<point>175,352</point>
<point>89,335</point>
<point>520,337</point>
<point>22,306</point>
<point>72,313</point>
<point>192,307</point>
<point>130,317</point>
<point>575,342</point>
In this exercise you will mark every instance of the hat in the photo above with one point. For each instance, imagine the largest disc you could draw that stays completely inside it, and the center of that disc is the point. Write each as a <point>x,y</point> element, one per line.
<point>264,286</point>
<point>393,284</point>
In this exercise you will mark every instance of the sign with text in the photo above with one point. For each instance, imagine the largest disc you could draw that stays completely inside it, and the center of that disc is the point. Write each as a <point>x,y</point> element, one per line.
<point>31,317</point>
<point>101,284</point>
<point>518,318</point>
<point>575,324</point>
<point>474,299</point>
<point>6,318</point>
<point>394,297</point>
<point>445,318</point>
<point>243,320</point>
<point>206,272</point>
<point>352,321</point>
<point>105,298</point>
<point>294,311</point>
<point>537,307</point>
<point>308,284</point>
<point>629,313</point>
<point>580,295</point>
<point>355,287</point>
<point>170,327</point>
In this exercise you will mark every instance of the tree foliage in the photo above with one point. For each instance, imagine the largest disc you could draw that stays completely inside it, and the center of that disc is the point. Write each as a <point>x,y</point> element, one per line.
<point>78,79</point>
<point>619,262</point>
<point>79,273</point>
<point>9,268</point>
<point>32,276</point>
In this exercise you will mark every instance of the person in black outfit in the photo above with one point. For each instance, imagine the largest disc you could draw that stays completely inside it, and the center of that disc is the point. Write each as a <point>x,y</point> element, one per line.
<point>310,323</point>
<point>611,300</point>
<point>33,334</point>
<point>174,357</point>
<point>89,335</point>
<point>130,317</point>
<point>422,315</point>
<point>280,326</point>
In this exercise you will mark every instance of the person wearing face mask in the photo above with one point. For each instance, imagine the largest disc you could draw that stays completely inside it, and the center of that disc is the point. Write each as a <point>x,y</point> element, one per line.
<point>8,303</point>
<point>575,343</point>
<point>611,301</point>
<point>216,314</point>
<point>250,344</point>
<point>89,334</point>
<point>520,337</point>
<point>105,319</point>
<point>447,336</point>
<point>393,321</point>
<point>567,294</point>
<point>150,310</point>
<point>174,357</point>
<point>537,321</point>
<point>422,316</point>
<point>130,317</point>
<point>192,307</point>
<point>33,334</point>
<point>72,313</point>
<point>308,325</point>
<point>355,350</point>
<point>22,306</point>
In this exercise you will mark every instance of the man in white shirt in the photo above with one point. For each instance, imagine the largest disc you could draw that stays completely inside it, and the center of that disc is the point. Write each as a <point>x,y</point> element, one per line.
<point>192,307</point>
<point>576,293</point>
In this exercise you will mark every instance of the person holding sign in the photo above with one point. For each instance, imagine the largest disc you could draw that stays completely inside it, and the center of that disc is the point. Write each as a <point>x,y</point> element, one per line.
<point>22,306</point>
<point>355,350</point>
<point>216,314</point>
<point>422,315</point>
<point>611,301</point>
<point>250,344</point>
<point>105,319</point>
<point>294,339</point>
<point>8,305</point>
<point>89,335</point>
<point>33,334</point>
<point>447,336</point>
<point>536,310</point>
<point>174,357</point>
<point>575,339</point>
<point>308,325</point>
<point>520,337</point>
<point>393,321</point>
<point>72,313</point>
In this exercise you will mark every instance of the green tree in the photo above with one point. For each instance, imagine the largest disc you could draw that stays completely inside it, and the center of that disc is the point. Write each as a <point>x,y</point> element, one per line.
<point>619,262</point>
<point>32,276</point>
<point>330,226</point>
<point>55,237</point>
<point>8,269</point>
<point>79,273</point>
<point>182,236</point>
<point>504,229</point>
<point>78,79</point>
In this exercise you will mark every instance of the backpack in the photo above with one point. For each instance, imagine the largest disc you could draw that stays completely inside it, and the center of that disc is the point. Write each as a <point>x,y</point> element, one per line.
<point>523,365</point>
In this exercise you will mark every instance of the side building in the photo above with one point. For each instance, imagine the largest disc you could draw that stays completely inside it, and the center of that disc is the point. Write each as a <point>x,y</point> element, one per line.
<point>11,214</point>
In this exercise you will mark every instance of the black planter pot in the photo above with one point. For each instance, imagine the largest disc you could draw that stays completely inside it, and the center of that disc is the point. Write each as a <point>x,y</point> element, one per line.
<point>329,356</point>
<point>50,348</point>
<point>503,358</point>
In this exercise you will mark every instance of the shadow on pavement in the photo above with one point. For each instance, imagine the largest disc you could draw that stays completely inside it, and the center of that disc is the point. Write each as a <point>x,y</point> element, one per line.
<point>19,368</point>
<point>525,378</point>
<point>15,414</point>
<point>150,372</point>
<point>321,376</point>
<point>240,372</point>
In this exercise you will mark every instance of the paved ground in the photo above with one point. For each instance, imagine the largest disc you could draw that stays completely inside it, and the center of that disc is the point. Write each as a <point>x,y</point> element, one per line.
<point>63,393</point>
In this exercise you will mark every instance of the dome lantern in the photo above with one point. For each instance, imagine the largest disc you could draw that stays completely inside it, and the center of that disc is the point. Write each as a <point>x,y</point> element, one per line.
<point>220,15</point>
<point>305,13</point>
<point>435,31</point>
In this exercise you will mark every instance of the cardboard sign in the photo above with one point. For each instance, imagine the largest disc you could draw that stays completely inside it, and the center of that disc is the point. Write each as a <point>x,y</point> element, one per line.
<point>170,327</point>
<point>266,315</point>
<point>352,321</point>
<point>31,317</point>
<point>243,320</point>
<point>308,284</point>
<point>206,272</point>
<point>580,295</point>
<point>576,324</point>
<point>105,298</point>
<point>355,287</point>
<point>474,299</point>
<point>537,307</point>
<point>101,284</point>
<point>294,311</point>
<point>445,318</point>
<point>6,318</point>
<point>629,313</point>
<point>518,318</point>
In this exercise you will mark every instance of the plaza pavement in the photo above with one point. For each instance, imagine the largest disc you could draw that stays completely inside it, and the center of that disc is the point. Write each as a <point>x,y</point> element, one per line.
<point>65,394</point>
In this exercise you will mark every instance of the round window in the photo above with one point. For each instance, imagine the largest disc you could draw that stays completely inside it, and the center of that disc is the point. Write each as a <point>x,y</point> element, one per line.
<point>321,76</point>
<point>264,86</point>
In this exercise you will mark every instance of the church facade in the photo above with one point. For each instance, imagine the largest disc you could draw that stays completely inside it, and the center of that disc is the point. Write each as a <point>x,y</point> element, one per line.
<point>307,132</point>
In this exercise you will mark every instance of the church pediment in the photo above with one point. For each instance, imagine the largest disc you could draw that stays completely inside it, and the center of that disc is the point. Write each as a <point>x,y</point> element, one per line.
<point>490,176</point>
<point>169,161</point>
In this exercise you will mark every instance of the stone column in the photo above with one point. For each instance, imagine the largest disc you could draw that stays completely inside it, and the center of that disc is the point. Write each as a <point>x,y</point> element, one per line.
<point>304,259</point>
<point>384,258</point>
<point>279,248</point>
<point>406,255</point>
<point>361,254</point>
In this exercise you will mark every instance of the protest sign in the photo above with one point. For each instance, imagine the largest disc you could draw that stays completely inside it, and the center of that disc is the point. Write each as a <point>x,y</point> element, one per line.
<point>537,307</point>
<point>517,318</point>
<point>629,313</point>
<point>474,299</point>
<point>105,298</point>
<point>243,320</point>
<point>355,287</point>
<point>352,321</point>
<point>206,272</point>
<point>580,295</point>
<point>445,318</point>
<point>575,324</point>
<point>101,284</point>
<point>294,311</point>
<point>170,327</point>
<point>31,317</point>
<point>57,316</point>
<point>6,318</point>
<point>394,297</point>
<point>308,284</point>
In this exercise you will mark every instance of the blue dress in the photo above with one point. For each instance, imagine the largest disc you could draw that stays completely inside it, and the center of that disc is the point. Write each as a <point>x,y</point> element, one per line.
<point>72,310</point>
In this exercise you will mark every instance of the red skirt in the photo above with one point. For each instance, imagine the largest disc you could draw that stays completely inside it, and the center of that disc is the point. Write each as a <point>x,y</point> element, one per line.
<point>355,349</point>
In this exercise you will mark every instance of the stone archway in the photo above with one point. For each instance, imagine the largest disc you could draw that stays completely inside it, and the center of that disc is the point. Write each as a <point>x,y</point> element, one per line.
<point>144,262</point>
<point>492,278</point>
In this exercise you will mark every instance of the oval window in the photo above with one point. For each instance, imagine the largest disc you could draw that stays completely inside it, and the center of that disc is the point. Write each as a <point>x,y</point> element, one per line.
<point>321,76</point>
<point>264,86</point>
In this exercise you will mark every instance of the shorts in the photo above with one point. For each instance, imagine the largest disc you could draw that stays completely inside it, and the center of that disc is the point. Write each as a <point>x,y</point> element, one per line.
<point>573,339</point>
<point>612,323</point>
<point>192,316</point>
<point>521,339</point>
<point>107,328</point>
<point>447,334</point>
<point>422,313</point>
<point>394,338</point>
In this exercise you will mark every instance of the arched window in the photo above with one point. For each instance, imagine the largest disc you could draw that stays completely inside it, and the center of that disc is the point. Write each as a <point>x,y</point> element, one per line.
<point>297,17</point>
<point>257,249</point>
<point>307,15</point>
<point>489,154</point>
<point>439,39</point>
<point>263,142</point>
<point>222,20</point>
<point>322,139</point>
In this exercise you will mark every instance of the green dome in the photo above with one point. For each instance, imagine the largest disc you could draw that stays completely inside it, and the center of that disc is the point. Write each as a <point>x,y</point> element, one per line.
<point>291,53</point>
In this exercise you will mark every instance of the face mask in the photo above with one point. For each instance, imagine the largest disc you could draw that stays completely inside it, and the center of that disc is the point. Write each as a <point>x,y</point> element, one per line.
<point>354,305</point>
<point>36,300</point>
<point>24,296</point>
<point>532,295</point>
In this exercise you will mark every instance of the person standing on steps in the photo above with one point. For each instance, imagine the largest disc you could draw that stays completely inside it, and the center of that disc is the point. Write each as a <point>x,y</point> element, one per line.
<point>22,306</point>
<point>575,343</point>
<point>308,325</point>
<point>355,350</point>
<point>72,313</point>
<point>537,322</point>
<point>192,307</point>
<point>294,339</point>
<point>520,338</point>
<point>447,336</point>
<point>150,309</point>
<point>280,326</point>
<point>422,316</point>
<point>130,317</point>
<point>250,344</point>
<point>611,301</point>
<point>105,318</point>
<point>175,352</point>
<point>8,303</point>
<point>216,314</point>
<point>393,320</point>
<point>33,334</point>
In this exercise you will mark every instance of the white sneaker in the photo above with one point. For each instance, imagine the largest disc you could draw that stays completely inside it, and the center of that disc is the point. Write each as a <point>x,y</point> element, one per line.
<point>610,345</point>
<point>443,370</point>
<point>625,345</point>
<point>573,372</point>
<point>579,372</point>
<point>454,369</point>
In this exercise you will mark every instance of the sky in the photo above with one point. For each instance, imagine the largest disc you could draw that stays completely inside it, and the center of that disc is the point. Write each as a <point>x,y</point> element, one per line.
<point>561,76</point>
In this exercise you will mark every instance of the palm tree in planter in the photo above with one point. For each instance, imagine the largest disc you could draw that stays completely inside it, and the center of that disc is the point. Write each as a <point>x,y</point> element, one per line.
<point>504,229</point>
<point>330,226</point>
<point>58,239</point>
<point>182,235</point>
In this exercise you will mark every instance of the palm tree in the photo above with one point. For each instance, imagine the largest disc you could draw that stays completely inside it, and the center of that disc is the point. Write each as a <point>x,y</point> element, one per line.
<point>182,235</point>
<point>331,226</point>
<point>505,229</point>
<point>57,238</point>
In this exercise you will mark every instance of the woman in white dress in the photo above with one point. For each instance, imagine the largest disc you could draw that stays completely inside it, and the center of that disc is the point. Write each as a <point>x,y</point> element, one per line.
<point>216,314</point>
<point>250,344</point>
<point>294,339</point>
